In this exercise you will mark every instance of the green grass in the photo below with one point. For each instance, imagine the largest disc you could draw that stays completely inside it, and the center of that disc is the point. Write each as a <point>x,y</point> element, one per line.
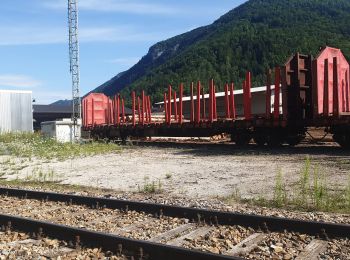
<point>34,145</point>
<point>312,192</point>
<point>150,187</point>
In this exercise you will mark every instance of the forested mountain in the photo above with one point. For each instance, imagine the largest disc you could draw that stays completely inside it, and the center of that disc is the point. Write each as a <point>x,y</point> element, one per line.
<point>254,36</point>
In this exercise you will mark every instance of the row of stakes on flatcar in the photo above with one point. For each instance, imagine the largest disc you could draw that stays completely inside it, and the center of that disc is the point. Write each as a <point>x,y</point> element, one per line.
<point>173,106</point>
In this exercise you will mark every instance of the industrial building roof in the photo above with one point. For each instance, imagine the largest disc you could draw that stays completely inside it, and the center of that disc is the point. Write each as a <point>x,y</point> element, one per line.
<point>52,109</point>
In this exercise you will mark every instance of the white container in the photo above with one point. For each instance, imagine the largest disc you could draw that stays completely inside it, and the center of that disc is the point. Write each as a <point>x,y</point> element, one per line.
<point>62,130</point>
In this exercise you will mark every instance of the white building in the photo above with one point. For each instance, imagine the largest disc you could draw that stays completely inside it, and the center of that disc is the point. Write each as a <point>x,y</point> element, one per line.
<point>16,111</point>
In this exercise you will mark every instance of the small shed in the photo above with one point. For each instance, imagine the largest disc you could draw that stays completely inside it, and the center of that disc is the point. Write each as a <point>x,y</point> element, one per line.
<point>63,131</point>
<point>16,111</point>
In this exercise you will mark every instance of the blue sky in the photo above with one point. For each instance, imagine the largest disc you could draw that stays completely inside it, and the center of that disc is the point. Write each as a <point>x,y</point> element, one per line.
<point>114,35</point>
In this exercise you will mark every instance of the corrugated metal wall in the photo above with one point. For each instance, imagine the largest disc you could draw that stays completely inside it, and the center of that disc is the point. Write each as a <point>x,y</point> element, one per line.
<point>16,112</point>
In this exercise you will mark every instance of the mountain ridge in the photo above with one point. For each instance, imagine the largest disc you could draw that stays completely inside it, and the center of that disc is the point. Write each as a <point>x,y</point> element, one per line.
<point>254,36</point>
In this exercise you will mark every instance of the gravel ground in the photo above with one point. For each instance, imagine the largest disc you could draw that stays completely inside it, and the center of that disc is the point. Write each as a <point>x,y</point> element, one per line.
<point>14,245</point>
<point>200,170</point>
<point>220,239</point>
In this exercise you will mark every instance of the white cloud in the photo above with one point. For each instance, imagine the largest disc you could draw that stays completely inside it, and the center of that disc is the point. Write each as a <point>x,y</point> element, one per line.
<point>18,81</point>
<point>120,6</point>
<point>25,35</point>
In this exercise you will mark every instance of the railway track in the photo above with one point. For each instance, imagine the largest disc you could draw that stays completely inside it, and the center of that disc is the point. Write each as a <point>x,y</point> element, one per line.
<point>155,231</point>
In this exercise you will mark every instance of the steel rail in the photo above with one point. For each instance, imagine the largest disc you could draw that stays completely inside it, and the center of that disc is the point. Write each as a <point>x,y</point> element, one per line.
<point>108,242</point>
<point>266,223</point>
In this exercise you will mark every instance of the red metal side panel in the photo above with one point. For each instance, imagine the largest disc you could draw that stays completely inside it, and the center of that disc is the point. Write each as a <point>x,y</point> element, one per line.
<point>343,67</point>
<point>96,109</point>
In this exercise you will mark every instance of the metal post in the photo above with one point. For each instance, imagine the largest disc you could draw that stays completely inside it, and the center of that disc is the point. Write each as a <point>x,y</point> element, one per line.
<point>276,109</point>
<point>284,92</point>
<point>192,104</point>
<point>74,63</point>
<point>118,109</point>
<point>347,91</point>
<point>149,110</point>
<point>106,113</point>
<point>211,101</point>
<point>232,101</point>
<point>227,102</point>
<point>268,94</point>
<point>165,108</point>
<point>123,111</point>
<point>175,107</point>
<point>169,104</point>
<point>326,89</point>
<point>143,107</point>
<point>335,87</point>
<point>343,90</point>
<point>203,103</point>
<point>180,103</point>
<point>198,110</point>
<point>146,109</point>
<point>92,112</point>
<point>247,97</point>
<point>139,109</point>
<point>115,110</point>
<point>133,96</point>
<point>214,103</point>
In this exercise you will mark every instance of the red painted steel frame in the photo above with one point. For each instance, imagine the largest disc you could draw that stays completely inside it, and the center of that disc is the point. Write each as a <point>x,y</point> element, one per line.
<point>180,103</point>
<point>92,112</point>
<point>276,110</point>
<point>232,101</point>
<point>326,89</point>
<point>175,107</point>
<point>133,95</point>
<point>203,99</point>
<point>169,104</point>
<point>118,110</point>
<point>198,110</point>
<point>139,108</point>
<point>211,101</point>
<point>214,103</point>
<point>347,85</point>
<point>227,102</point>
<point>247,96</point>
<point>149,109</point>
<point>143,107</point>
<point>192,103</point>
<point>123,111</point>
<point>146,109</point>
<point>115,109</point>
<point>268,95</point>
<point>165,108</point>
<point>335,87</point>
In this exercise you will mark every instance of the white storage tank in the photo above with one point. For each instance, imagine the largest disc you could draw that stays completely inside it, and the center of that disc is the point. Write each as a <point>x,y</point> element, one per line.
<point>16,111</point>
<point>61,130</point>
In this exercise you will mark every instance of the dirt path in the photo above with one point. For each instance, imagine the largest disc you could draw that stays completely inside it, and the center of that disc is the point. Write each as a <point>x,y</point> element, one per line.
<point>193,170</point>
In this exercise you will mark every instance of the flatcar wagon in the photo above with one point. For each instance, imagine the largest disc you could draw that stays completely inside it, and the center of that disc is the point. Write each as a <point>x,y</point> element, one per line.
<point>305,92</point>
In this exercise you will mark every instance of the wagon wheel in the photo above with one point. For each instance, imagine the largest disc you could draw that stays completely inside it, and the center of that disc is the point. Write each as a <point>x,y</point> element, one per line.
<point>241,138</point>
<point>342,139</point>
<point>260,139</point>
<point>295,139</point>
<point>274,140</point>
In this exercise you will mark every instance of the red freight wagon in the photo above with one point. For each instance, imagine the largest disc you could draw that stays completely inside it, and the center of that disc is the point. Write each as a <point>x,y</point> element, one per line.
<point>312,92</point>
<point>331,85</point>
<point>96,109</point>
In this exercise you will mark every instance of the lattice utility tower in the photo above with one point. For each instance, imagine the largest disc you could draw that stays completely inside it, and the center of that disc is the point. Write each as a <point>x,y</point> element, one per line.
<point>74,61</point>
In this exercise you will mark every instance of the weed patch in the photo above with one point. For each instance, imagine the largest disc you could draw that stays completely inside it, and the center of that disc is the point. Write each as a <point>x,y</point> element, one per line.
<point>29,145</point>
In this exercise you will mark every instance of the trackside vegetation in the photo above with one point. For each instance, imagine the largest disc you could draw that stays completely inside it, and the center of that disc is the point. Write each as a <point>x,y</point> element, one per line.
<point>33,145</point>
